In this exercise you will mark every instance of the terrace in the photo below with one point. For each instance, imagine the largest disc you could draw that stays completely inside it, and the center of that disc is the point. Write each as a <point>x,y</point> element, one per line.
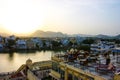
<point>90,64</point>
<point>39,70</point>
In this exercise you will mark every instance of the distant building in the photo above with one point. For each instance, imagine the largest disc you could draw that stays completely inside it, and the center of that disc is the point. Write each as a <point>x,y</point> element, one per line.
<point>11,37</point>
<point>35,40</point>
<point>102,46</point>
<point>65,42</point>
<point>30,44</point>
<point>116,51</point>
<point>21,44</point>
<point>48,43</point>
<point>38,42</point>
<point>1,47</point>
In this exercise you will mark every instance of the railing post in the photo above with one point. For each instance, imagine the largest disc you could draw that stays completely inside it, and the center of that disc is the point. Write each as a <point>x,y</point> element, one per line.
<point>66,73</point>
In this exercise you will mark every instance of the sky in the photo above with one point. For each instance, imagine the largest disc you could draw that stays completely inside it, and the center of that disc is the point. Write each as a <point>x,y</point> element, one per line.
<point>67,16</point>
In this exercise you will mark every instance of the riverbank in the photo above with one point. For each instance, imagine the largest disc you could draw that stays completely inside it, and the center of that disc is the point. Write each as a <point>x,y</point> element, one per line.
<point>56,49</point>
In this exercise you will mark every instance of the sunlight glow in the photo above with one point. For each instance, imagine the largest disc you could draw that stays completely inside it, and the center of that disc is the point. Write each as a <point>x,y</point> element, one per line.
<point>67,16</point>
<point>21,16</point>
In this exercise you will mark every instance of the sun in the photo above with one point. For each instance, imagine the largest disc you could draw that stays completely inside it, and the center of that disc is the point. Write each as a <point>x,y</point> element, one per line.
<point>22,23</point>
<point>22,26</point>
<point>21,17</point>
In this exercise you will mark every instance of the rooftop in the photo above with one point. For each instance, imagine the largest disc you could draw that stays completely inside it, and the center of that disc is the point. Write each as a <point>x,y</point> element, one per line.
<point>94,64</point>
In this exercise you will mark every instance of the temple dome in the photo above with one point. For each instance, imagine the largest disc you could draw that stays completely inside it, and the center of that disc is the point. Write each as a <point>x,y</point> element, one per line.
<point>29,62</point>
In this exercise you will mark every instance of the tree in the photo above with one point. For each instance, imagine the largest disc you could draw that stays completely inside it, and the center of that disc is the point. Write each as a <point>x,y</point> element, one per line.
<point>86,48</point>
<point>55,43</point>
<point>11,42</point>
<point>88,41</point>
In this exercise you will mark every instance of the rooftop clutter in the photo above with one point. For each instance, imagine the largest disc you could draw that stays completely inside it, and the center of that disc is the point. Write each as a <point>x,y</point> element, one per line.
<point>103,65</point>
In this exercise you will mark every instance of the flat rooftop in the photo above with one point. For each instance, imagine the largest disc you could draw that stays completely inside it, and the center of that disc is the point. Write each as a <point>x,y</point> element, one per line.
<point>96,65</point>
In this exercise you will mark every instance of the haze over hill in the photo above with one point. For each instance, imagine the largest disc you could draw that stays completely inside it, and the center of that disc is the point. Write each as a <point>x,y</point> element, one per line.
<point>40,33</point>
<point>4,34</point>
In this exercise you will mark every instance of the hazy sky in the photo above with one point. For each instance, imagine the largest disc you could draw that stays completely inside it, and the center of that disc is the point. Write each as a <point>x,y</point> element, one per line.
<point>67,16</point>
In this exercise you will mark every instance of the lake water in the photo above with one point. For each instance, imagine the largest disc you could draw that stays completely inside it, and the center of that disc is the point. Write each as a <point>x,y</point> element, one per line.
<point>12,61</point>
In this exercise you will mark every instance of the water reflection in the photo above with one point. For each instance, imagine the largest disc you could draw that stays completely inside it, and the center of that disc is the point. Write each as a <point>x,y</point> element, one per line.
<point>11,56</point>
<point>13,60</point>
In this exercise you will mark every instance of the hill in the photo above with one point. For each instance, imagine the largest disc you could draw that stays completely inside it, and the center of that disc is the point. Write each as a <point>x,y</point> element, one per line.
<point>103,36</point>
<point>117,36</point>
<point>40,33</point>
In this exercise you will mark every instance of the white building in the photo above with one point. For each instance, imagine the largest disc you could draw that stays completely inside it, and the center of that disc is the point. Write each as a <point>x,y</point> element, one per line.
<point>102,47</point>
<point>1,47</point>
<point>48,43</point>
<point>11,37</point>
<point>65,42</point>
<point>21,44</point>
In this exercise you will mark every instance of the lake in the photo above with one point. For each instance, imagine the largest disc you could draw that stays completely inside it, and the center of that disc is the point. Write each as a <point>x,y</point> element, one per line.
<point>12,61</point>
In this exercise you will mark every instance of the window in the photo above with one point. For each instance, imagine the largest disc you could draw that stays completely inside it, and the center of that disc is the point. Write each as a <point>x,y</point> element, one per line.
<point>70,76</point>
<point>75,78</point>
<point>55,66</point>
<point>62,73</point>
